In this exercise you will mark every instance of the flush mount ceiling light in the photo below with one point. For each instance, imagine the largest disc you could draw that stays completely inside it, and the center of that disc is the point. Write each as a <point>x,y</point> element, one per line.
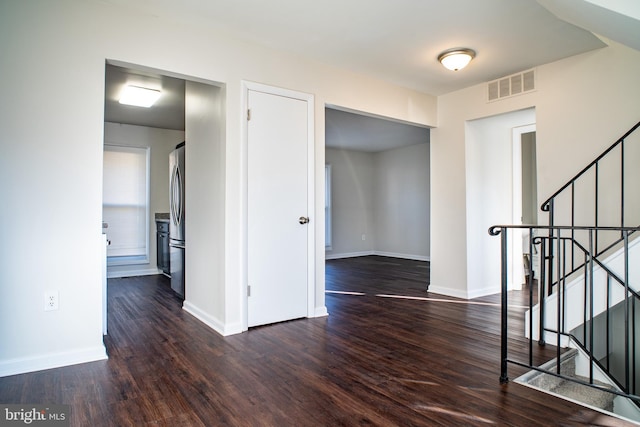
<point>139,96</point>
<point>456,59</point>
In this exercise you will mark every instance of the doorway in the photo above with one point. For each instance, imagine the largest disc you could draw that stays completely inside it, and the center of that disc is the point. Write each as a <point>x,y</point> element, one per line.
<point>198,107</point>
<point>490,192</point>
<point>379,189</point>
<point>154,132</point>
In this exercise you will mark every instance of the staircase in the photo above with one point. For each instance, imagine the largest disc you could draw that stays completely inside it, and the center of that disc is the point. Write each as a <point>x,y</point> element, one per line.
<point>587,294</point>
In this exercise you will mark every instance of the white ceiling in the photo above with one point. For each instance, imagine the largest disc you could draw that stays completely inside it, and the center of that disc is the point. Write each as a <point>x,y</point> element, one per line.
<point>399,40</point>
<point>394,40</point>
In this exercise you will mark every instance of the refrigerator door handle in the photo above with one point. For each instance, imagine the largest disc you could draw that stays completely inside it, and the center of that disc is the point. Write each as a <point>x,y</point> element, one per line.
<point>177,245</point>
<point>171,195</point>
<point>179,187</point>
<point>176,196</point>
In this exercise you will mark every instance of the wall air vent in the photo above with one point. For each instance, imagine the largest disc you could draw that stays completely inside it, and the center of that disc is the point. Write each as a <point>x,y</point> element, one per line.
<point>509,86</point>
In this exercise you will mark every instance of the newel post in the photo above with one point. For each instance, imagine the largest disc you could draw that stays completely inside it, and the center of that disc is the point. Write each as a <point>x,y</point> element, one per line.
<point>494,231</point>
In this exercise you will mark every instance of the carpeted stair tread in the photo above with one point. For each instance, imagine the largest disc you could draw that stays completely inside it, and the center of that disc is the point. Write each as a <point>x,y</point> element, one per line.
<point>585,394</point>
<point>572,390</point>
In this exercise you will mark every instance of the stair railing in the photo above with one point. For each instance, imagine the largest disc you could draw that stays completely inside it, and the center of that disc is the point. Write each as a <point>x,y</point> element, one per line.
<point>577,199</point>
<point>562,250</point>
<point>584,207</point>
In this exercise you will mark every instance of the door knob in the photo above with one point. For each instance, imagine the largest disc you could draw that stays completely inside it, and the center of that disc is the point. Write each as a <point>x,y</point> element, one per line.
<point>303,219</point>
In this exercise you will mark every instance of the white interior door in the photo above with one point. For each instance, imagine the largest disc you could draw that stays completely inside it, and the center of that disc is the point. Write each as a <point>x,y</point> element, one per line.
<point>277,257</point>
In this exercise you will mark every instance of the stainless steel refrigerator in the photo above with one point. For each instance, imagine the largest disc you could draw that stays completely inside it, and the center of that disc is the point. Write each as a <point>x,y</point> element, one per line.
<point>177,218</point>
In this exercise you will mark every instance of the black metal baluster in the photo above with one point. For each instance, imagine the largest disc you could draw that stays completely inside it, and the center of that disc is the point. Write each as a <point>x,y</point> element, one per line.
<point>530,298</point>
<point>621,183</point>
<point>504,315</point>
<point>596,208</point>
<point>584,299</point>
<point>633,345</point>
<point>543,295</point>
<point>559,296</point>
<point>573,223</point>
<point>626,310</point>
<point>551,235</point>
<point>608,322</point>
<point>591,232</point>
<point>563,284</point>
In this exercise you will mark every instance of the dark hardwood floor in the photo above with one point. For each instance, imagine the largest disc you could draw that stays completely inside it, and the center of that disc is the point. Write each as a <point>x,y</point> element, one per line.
<point>374,361</point>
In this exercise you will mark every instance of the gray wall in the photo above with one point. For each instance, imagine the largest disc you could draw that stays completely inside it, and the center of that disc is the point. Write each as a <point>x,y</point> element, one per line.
<point>529,179</point>
<point>352,202</point>
<point>384,197</point>
<point>402,201</point>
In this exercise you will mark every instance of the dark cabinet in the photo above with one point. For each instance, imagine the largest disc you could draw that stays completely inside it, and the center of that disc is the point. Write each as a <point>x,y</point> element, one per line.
<point>162,248</point>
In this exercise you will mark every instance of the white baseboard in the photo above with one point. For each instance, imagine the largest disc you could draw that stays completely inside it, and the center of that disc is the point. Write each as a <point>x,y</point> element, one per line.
<point>477,293</point>
<point>348,255</point>
<point>321,312</point>
<point>448,292</point>
<point>232,329</point>
<point>403,256</point>
<point>379,253</point>
<point>52,360</point>
<point>210,321</point>
<point>111,274</point>
<point>463,294</point>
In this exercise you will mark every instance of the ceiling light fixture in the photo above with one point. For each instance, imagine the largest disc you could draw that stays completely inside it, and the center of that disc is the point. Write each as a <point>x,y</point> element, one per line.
<point>456,59</point>
<point>139,96</point>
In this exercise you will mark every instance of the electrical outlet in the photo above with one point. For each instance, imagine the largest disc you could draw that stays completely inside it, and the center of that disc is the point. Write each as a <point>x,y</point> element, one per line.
<point>51,301</point>
<point>364,237</point>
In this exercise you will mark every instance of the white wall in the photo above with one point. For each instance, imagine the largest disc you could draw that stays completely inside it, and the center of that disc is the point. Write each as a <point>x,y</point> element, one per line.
<point>161,142</point>
<point>402,202</point>
<point>583,104</point>
<point>204,208</point>
<point>51,134</point>
<point>384,196</point>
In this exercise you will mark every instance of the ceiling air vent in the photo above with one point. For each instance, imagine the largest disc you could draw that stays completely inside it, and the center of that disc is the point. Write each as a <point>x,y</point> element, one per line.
<point>509,86</point>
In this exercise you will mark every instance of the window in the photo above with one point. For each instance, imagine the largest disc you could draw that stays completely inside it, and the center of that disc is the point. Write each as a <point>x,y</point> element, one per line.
<point>327,206</point>
<point>125,206</point>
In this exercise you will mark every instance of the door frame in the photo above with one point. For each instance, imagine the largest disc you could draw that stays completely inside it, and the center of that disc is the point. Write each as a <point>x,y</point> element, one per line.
<point>311,257</point>
<point>517,274</point>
